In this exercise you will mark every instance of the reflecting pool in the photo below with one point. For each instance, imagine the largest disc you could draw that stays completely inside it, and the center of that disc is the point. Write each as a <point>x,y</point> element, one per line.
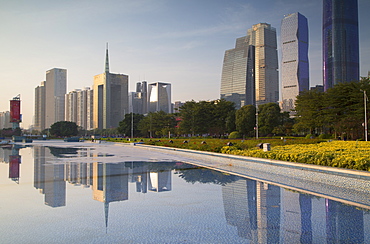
<point>48,200</point>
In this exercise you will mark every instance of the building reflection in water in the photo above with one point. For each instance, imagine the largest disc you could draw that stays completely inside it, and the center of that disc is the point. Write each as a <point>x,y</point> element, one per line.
<point>263,213</point>
<point>260,212</point>
<point>10,155</point>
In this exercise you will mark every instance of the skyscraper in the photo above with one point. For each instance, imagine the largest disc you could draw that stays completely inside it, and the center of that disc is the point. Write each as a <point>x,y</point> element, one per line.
<point>39,119</point>
<point>110,98</point>
<point>237,80</point>
<point>295,66</point>
<point>263,37</point>
<point>249,73</point>
<point>340,42</point>
<point>159,96</point>
<point>49,99</point>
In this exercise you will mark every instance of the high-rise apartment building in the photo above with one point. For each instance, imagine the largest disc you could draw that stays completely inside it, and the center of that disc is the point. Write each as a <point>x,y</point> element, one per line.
<point>294,65</point>
<point>39,117</point>
<point>50,99</point>
<point>250,70</point>
<point>5,120</point>
<point>237,80</point>
<point>159,96</point>
<point>78,107</point>
<point>110,98</point>
<point>89,109</point>
<point>55,90</point>
<point>340,38</point>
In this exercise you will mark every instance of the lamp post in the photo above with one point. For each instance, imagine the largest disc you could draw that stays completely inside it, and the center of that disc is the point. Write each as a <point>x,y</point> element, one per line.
<point>365,101</point>
<point>257,122</point>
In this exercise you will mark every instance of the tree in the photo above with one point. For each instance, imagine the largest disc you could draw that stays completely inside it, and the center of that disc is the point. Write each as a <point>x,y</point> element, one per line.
<point>246,120</point>
<point>340,110</point>
<point>125,125</point>
<point>212,117</point>
<point>157,124</point>
<point>64,128</point>
<point>268,117</point>
<point>221,112</point>
<point>310,108</point>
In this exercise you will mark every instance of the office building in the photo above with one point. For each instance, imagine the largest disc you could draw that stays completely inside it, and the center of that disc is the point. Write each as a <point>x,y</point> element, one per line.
<point>237,80</point>
<point>138,101</point>
<point>159,95</point>
<point>263,37</point>
<point>249,73</point>
<point>295,65</point>
<point>110,98</point>
<point>340,36</point>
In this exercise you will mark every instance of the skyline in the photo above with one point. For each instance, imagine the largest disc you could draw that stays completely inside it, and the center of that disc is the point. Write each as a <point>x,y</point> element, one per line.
<point>175,42</point>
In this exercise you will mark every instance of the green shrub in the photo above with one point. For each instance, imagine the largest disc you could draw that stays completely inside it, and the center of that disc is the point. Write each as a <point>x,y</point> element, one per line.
<point>234,135</point>
<point>325,136</point>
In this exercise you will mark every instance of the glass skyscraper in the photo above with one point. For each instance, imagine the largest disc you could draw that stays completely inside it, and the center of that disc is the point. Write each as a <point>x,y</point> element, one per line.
<point>237,81</point>
<point>249,73</point>
<point>340,42</point>
<point>295,66</point>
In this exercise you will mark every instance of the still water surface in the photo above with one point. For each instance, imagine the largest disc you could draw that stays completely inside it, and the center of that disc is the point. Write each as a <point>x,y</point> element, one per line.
<point>44,200</point>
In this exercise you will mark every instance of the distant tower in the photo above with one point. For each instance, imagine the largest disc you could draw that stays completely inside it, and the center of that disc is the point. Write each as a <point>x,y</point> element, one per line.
<point>295,66</point>
<point>159,96</point>
<point>15,112</point>
<point>340,38</point>
<point>110,98</point>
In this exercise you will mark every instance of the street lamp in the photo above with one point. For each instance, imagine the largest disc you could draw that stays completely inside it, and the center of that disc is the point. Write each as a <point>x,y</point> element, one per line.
<point>365,101</point>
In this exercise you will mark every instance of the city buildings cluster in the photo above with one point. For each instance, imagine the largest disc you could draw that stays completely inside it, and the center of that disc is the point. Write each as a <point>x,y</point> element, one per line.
<point>250,70</point>
<point>101,107</point>
<point>250,74</point>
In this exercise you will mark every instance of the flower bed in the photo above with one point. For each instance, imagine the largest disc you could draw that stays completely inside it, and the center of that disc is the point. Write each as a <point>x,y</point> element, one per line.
<point>342,154</point>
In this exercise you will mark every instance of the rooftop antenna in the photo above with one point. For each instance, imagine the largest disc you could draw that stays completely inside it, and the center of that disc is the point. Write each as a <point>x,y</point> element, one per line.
<point>106,60</point>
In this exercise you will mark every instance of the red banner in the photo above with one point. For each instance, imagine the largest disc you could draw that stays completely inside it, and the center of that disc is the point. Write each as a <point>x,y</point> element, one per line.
<point>15,111</point>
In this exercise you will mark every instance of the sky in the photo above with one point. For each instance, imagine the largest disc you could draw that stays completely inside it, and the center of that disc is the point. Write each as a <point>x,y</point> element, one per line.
<point>181,42</point>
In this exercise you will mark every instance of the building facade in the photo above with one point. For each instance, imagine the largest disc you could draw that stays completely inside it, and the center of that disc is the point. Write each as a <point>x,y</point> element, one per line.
<point>138,101</point>
<point>50,99</point>
<point>110,98</point>
<point>340,36</point>
<point>5,120</point>
<point>78,107</point>
<point>159,97</point>
<point>263,37</point>
<point>39,117</point>
<point>295,63</point>
<point>250,70</point>
<point>55,90</point>
<point>237,80</point>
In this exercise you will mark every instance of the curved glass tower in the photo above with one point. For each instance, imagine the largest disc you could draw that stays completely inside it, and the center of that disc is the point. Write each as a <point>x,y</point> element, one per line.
<point>340,42</point>
<point>295,65</point>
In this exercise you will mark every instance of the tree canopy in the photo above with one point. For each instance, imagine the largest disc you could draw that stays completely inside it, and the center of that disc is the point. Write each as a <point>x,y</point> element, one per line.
<point>340,110</point>
<point>64,128</point>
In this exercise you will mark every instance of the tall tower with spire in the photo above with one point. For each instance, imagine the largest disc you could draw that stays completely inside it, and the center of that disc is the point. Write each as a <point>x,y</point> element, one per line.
<point>110,98</point>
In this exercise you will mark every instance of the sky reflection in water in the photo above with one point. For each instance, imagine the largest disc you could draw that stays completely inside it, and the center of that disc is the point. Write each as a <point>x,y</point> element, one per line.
<point>45,201</point>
